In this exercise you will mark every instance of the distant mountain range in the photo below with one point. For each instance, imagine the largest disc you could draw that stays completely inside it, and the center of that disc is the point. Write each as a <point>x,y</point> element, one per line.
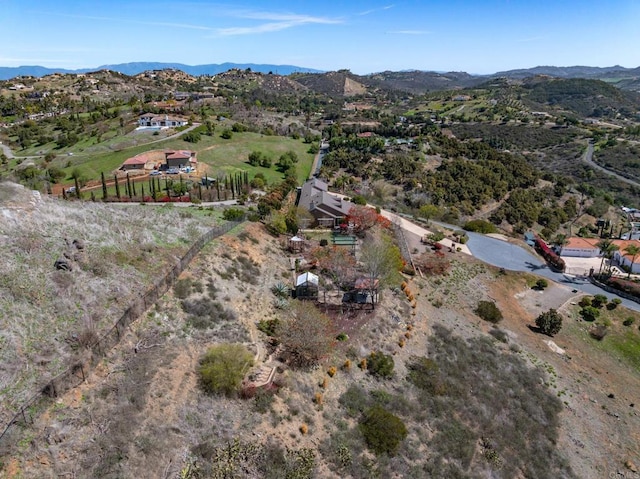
<point>6,73</point>
<point>413,81</point>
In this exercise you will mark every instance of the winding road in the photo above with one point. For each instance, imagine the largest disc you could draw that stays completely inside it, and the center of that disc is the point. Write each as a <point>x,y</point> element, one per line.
<point>588,159</point>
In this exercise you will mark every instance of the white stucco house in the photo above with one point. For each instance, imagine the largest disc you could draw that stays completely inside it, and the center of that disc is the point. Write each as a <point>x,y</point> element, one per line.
<point>623,258</point>
<point>152,120</point>
<point>581,247</point>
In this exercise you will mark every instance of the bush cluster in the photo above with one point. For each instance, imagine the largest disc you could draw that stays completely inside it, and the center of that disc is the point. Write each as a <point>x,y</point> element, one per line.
<point>380,364</point>
<point>382,430</point>
<point>550,322</point>
<point>222,368</point>
<point>488,311</point>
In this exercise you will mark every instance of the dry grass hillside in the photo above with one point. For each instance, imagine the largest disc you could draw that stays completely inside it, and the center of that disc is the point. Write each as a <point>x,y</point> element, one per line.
<point>107,255</point>
<point>462,398</point>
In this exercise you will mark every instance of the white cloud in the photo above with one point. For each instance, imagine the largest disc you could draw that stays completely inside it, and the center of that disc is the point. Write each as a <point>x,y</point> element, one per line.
<point>368,12</point>
<point>277,22</point>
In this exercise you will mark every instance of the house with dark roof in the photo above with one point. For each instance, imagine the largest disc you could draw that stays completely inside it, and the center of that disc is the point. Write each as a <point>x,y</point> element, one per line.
<point>180,158</point>
<point>327,209</point>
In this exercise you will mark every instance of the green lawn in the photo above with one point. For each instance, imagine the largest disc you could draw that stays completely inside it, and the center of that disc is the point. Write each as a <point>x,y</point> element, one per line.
<point>221,156</point>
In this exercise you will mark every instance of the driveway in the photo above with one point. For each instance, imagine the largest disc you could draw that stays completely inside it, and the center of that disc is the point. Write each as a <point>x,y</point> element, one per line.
<point>515,258</point>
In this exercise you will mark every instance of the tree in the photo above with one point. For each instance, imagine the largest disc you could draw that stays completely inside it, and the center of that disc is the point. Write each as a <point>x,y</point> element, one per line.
<point>429,211</point>
<point>607,249</point>
<point>222,368</point>
<point>550,322</point>
<point>305,333</point>
<point>560,241</point>
<point>381,260</point>
<point>633,251</point>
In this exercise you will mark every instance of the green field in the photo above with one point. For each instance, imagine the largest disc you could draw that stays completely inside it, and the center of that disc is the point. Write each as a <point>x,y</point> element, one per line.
<point>219,155</point>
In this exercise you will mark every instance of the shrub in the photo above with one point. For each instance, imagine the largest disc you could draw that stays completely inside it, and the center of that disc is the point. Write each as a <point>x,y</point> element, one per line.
<point>332,371</point>
<point>542,284</point>
<point>550,322</point>
<point>382,430</point>
<point>586,301</point>
<point>192,137</point>
<point>268,326</point>
<point>222,368</point>
<point>324,242</point>
<point>226,134</point>
<point>488,311</point>
<point>233,214</point>
<point>500,335</point>
<point>599,300</point>
<point>590,313</point>
<point>380,364</point>
<point>480,226</point>
<point>629,321</point>
<point>425,374</point>
<point>614,303</point>
<point>359,200</point>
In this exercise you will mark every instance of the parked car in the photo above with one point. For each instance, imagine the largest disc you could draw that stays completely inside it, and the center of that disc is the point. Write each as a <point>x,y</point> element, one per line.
<point>173,171</point>
<point>155,173</point>
<point>70,191</point>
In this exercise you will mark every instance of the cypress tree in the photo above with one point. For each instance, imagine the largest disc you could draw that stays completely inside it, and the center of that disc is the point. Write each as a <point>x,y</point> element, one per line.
<point>129,187</point>
<point>75,180</point>
<point>104,187</point>
<point>115,179</point>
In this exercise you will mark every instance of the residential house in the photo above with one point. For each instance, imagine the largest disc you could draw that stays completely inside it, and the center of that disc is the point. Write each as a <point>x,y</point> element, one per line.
<point>151,120</point>
<point>328,210</point>
<point>180,159</point>
<point>135,163</point>
<point>581,247</point>
<point>623,258</point>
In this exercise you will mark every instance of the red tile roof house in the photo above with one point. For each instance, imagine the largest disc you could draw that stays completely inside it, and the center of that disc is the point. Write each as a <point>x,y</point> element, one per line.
<point>180,159</point>
<point>135,163</point>
<point>151,120</point>
<point>581,247</point>
<point>622,258</point>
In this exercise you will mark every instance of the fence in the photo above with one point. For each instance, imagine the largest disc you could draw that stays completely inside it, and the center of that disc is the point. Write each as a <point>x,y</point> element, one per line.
<point>76,373</point>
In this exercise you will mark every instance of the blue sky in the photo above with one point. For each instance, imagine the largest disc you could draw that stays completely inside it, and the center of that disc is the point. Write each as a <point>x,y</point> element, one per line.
<point>481,36</point>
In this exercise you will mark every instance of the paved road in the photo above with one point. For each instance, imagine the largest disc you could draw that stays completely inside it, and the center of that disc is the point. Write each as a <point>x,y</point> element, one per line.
<point>516,258</point>
<point>588,158</point>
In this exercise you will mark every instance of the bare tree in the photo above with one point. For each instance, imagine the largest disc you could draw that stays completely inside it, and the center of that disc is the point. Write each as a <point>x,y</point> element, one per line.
<point>305,333</point>
<point>381,260</point>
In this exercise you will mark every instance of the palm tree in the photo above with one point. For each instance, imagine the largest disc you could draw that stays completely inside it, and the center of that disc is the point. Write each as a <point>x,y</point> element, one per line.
<point>607,248</point>
<point>633,251</point>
